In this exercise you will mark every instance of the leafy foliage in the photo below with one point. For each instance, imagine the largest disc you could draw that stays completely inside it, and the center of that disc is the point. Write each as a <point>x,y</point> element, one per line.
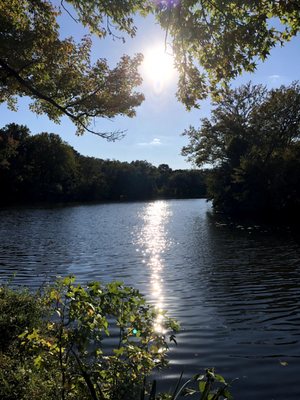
<point>252,139</point>
<point>82,324</point>
<point>216,40</point>
<point>19,310</point>
<point>209,386</point>
<point>89,342</point>
<point>104,17</point>
<point>65,348</point>
<point>13,323</point>
<point>62,81</point>
<point>213,41</point>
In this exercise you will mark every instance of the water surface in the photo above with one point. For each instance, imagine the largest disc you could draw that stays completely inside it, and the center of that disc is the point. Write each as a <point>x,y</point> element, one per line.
<point>234,289</point>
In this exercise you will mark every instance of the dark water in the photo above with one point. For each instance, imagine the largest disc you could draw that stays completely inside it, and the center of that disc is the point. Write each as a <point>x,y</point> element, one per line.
<point>235,290</point>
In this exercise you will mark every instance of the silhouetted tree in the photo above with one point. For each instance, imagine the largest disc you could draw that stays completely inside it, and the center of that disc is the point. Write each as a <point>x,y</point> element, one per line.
<point>252,140</point>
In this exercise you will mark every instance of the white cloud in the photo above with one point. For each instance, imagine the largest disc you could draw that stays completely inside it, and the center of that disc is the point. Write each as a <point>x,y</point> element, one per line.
<point>154,142</point>
<point>274,77</point>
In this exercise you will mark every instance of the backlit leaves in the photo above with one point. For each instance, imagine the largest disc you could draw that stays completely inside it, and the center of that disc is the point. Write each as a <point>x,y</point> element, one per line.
<point>73,339</point>
<point>223,38</point>
<point>57,74</point>
<point>213,41</point>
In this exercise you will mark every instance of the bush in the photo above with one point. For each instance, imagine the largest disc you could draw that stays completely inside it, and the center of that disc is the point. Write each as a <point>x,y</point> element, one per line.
<point>19,310</point>
<point>97,342</point>
<point>56,340</point>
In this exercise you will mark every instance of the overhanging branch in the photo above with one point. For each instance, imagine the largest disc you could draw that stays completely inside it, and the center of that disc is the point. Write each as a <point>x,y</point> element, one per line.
<point>110,136</point>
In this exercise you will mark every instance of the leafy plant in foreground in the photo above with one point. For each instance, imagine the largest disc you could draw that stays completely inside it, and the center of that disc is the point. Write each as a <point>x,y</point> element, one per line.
<point>71,341</point>
<point>207,386</point>
<point>96,342</point>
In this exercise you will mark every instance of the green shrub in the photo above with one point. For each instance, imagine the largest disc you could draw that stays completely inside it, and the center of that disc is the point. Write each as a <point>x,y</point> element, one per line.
<point>96,342</point>
<point>19,310</point>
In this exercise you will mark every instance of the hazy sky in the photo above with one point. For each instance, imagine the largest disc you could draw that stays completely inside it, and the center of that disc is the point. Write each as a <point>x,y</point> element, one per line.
<point>155,133</point>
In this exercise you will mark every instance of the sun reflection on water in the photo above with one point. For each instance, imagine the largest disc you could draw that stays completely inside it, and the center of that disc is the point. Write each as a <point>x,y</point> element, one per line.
<point>152,242</point>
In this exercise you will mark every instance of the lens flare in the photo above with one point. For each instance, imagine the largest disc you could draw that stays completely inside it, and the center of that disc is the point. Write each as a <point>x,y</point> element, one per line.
<point>158,68</point>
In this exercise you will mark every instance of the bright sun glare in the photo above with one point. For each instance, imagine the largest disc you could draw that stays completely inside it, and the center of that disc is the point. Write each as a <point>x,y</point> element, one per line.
<point>158,67</point>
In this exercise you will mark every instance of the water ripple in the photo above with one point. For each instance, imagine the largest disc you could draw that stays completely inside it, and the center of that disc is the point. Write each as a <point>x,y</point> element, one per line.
<point>235,291</point>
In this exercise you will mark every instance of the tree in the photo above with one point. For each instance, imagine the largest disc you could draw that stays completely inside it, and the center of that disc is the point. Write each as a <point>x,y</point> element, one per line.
<point>250,122</point>
<point>187,184</point>
<point>35,168</point>
<point>93,184</point>
<point>50,168</point>
<point>213,41</point>
<point>12,139</point>
<point>58,74</point>
<point>44,168</point>
<point>252,140</point>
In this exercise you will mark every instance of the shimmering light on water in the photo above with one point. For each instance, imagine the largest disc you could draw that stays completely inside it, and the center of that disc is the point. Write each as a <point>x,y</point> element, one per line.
<point>152,242</point>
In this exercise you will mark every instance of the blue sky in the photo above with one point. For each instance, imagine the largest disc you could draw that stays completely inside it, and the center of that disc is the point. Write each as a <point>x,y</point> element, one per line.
<point>155,133</point>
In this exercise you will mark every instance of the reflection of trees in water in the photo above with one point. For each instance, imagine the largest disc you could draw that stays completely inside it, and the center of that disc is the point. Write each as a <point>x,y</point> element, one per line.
<point>239,252</point>
<point>253,285</point>
<point>243,306</point>
<point>253,278</point>
<point>246,278</point>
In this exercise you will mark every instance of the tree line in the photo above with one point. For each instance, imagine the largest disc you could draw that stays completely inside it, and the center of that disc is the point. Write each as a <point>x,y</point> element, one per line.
<point>38,168</point>
<point>252,141</point>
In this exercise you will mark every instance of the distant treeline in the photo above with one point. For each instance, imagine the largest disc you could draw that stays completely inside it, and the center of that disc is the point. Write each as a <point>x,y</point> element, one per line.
<point>38,168</point>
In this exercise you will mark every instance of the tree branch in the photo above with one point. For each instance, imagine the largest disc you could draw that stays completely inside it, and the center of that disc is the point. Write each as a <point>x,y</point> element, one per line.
<point>75,103</point>
<point>86,377</point>
<point>206,20</point>
<point>111,136</point>
<point>212,4</point>
<point>73,18</point>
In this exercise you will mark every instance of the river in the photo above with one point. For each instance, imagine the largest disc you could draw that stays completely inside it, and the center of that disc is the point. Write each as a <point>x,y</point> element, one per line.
<point>234,289</point>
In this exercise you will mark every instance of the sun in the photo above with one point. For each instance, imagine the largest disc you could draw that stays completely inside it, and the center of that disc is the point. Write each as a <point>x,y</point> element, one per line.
<point>158,66</point>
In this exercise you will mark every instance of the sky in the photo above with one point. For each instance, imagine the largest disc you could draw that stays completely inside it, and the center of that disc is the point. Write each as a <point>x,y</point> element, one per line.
<point>154,134</point>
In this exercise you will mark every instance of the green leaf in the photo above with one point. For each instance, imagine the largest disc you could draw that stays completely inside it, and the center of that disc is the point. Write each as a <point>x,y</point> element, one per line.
<point>201,386</point>
<point>38,361</point>
<point>227,394</point>
<point>219,378</point>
